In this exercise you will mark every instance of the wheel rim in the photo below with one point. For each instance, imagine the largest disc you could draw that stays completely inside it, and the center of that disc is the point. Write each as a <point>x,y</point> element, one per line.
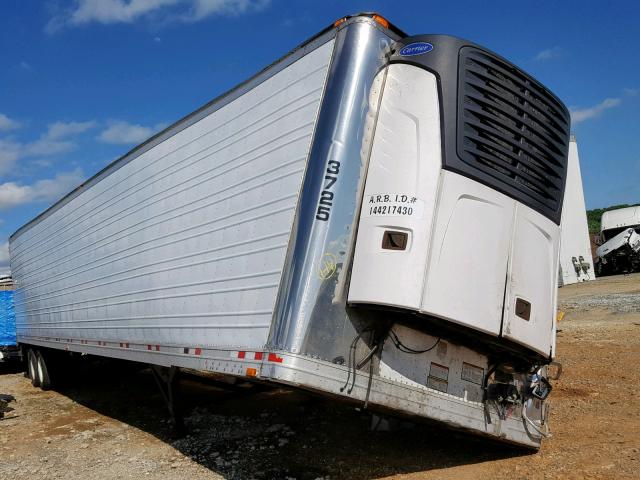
<point>39,366</point>
<point>32,368</point>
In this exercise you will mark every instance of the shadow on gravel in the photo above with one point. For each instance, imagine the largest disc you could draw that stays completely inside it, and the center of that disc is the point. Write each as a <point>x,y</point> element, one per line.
<point>11,367</point>
<point>257,433</point>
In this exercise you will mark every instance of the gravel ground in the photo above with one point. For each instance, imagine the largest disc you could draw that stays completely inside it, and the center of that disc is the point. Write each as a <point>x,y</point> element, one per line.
<point>110,422</point>
<point>615,302</point>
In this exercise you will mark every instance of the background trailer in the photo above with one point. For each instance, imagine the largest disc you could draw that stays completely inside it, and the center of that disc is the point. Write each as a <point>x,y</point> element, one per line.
<point>373,217</point>
<point>619,242</point>
<point>576,261</point>
<point>8,341</point>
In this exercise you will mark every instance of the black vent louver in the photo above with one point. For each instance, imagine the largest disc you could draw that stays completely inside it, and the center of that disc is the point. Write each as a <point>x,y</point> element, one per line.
<point>511,131</point>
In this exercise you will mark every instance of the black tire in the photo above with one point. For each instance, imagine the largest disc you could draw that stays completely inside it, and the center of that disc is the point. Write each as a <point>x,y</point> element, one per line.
<point>32,368</point>
<point>43,371</point>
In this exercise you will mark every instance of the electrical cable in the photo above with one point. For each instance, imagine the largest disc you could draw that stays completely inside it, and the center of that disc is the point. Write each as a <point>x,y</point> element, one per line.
<point>367,357</point>
<point>351,363</point>
<point>545,434</point>
<point>403,348</point>
<point>366,398</point>
<point>377,347</point>
<point>353,366</point>
<point>485,393</point>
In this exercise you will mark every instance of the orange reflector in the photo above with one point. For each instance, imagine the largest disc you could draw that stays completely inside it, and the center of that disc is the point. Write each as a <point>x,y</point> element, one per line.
<point>251,372</point>
<point>339,22</point>
<point>381,20</point>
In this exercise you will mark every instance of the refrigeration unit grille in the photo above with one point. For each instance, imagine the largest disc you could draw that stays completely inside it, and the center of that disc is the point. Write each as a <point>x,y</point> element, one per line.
<point>512,134</point>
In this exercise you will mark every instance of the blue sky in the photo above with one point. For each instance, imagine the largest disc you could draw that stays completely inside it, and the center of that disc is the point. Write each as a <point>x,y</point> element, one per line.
<point>84,81</point>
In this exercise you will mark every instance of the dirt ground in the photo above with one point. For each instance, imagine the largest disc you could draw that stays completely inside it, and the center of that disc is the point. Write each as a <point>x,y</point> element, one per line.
<point>111,422</point>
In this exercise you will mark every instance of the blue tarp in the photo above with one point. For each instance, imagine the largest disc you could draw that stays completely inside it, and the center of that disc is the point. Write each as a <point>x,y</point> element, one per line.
<point>7,319</point>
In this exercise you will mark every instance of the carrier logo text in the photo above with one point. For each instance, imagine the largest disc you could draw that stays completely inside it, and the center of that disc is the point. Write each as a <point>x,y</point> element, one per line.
<point>416,48</point>
<point>326,196</point>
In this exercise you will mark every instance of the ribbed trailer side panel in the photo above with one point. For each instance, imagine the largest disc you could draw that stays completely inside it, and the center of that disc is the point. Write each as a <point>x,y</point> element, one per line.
<point>185,243</point>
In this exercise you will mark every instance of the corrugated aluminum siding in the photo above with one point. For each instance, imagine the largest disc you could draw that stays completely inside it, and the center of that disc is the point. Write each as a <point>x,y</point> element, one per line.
<point>184,244</point>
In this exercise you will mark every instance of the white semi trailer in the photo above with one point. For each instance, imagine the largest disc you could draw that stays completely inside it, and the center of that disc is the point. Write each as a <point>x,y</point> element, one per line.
<point>576,261</point>
<point>374,217</point>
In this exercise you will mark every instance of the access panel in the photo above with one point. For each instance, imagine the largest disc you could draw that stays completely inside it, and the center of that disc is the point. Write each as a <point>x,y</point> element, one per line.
<point>400,192</point>
<point>530,299</point>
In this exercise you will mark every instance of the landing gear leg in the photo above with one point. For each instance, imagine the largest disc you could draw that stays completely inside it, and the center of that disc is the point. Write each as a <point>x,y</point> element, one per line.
<point>167,381</point>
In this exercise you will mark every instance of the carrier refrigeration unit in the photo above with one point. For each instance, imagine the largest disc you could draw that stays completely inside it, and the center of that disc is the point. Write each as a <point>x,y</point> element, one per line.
<point>373,217</point>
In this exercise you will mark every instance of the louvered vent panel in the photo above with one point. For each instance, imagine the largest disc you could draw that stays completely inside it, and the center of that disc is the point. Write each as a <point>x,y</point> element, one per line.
<point>512,131</point>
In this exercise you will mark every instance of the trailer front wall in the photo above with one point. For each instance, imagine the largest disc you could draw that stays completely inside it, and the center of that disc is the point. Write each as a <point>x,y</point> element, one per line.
<point>185,243</point>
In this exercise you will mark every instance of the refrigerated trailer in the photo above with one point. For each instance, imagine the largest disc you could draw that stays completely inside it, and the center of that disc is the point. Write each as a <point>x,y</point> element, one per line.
<point>374,217</point>
<point>576,260</point>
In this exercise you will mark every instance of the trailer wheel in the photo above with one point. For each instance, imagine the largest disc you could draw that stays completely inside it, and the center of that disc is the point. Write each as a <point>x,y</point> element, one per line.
<point>32,368</point>
<point>42,371</point>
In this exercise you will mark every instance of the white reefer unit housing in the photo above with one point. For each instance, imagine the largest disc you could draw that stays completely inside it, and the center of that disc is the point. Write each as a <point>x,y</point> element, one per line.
<point>464,193</point>
<point>576,261</point>
<point>373,217</point>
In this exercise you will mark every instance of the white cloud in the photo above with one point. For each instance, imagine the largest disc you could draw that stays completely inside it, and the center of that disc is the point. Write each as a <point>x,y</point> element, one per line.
<point>549,54</point>
<point>58,130</point>
<point>45,146</point>
<point>56,140</point>
<point>7,123</point>
<point>127,11</point>
<point>10,152</point>
<point>125,133</point>
<point>203,8</point>
<point>581,114</point>
<point>632,92</point>
<point>115,11</point>
<point>13,194</point>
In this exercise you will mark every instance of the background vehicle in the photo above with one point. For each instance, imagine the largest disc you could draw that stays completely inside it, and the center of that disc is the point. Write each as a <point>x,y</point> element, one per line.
<point>374,217</point>
<point>619,250</point>
<point>8,342</point>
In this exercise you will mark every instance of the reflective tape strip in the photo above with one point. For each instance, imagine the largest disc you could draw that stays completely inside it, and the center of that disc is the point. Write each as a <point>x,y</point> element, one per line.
<point>274,358</point>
